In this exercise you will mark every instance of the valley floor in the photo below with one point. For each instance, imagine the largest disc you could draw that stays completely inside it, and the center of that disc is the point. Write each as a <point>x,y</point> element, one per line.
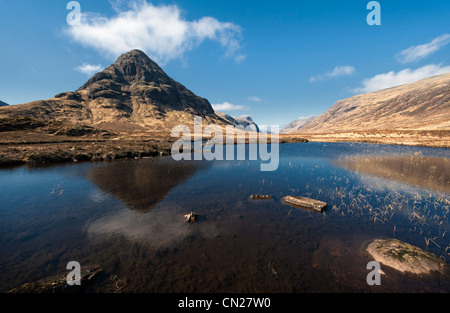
<point>37,147</point>
<point>32,148</point>
<point>425,138</point>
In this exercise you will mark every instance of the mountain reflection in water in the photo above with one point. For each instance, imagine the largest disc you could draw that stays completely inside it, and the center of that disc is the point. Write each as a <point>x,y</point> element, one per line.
<point>142,185</point>
<point>416,170</point>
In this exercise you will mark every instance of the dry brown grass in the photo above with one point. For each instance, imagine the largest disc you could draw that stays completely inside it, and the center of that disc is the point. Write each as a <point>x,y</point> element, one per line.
<point>425,138</point>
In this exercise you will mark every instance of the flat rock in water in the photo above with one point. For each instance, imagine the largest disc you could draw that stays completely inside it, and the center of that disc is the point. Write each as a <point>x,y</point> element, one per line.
<point>261,197</point>
<point>306,203</point>
<point>405,257</point>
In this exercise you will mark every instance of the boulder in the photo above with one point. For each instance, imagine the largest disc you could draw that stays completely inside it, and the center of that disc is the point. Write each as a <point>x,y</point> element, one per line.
<point>404,257</point>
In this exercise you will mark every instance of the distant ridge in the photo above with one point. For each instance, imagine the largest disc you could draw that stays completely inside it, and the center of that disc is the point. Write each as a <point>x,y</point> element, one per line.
<point>297,125</point>
<point>3,104</point>
<point>245,122</point>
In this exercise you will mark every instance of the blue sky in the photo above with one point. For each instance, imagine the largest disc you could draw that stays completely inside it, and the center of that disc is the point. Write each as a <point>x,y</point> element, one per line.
<point>273,60</point>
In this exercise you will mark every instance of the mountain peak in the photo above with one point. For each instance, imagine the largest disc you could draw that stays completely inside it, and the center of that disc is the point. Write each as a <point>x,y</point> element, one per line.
<point>135,87</point>
<point>132,93</point>
<point>135,61</point>
<point>130,68</point>
<point>243,122</point>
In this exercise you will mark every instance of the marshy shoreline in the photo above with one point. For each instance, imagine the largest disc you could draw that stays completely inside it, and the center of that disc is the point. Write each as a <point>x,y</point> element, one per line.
<point>24,147</point>
<point>38,148</point>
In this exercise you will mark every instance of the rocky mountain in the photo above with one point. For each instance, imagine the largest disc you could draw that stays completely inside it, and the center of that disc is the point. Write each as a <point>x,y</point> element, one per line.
<point>3,104</point>
<point>134,93</point>
<point>248,123</point>
<point>243,122</point>
<point>297,125</point>
<point>422,105</point>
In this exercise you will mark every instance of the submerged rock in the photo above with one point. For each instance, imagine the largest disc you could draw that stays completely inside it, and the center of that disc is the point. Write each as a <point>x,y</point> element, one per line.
<point>405,257</point>
<point>191,218</point>
<point>261,197</point>
<point>58,283</point>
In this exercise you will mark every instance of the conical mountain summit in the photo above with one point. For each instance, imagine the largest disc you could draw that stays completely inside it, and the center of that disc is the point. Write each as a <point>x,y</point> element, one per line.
<point>132,93</point>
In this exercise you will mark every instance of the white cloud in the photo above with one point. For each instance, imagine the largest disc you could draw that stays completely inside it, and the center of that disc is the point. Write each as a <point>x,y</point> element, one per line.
<point>338,71</point>
<point>226,106</point>
<point>392,79</point>
<point>255,99</point>
<point>416,53</point>
<point>161,31</point>
<point>118,5</point>
<point>89,69</point>
<point>240,58</point>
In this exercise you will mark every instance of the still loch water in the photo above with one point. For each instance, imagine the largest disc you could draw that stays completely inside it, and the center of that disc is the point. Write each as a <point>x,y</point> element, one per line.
<point>128,217</point>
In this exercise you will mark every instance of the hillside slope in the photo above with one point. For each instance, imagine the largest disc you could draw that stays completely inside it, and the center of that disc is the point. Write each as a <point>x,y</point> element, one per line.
<point>422,105</point>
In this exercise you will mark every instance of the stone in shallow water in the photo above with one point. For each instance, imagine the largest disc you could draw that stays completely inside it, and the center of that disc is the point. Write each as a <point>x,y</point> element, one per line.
<point>405,257</point>
<point>306,203</point>
<point>191,218</point>
<point>261,197</point>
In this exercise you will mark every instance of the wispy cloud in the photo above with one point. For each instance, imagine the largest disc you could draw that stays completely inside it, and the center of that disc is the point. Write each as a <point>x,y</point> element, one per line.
<point>416,53</point>
<point>161,31</point>
<point>254,99</point>
<point>392,79</point>
<point>338,71</point>
<point>89,69</point>
<point>226,106</point>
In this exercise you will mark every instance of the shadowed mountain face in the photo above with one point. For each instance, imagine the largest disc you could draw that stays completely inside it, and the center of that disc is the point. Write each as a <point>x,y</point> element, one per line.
<point>3,104</point>
<point>142,185</point>
<point>423,105</point>
<point>248,123</point>
<point>134,91</point>
<point>243,122</point>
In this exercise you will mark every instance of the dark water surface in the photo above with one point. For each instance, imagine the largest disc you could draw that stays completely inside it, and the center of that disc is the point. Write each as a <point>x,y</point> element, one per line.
<point>128,216</point>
